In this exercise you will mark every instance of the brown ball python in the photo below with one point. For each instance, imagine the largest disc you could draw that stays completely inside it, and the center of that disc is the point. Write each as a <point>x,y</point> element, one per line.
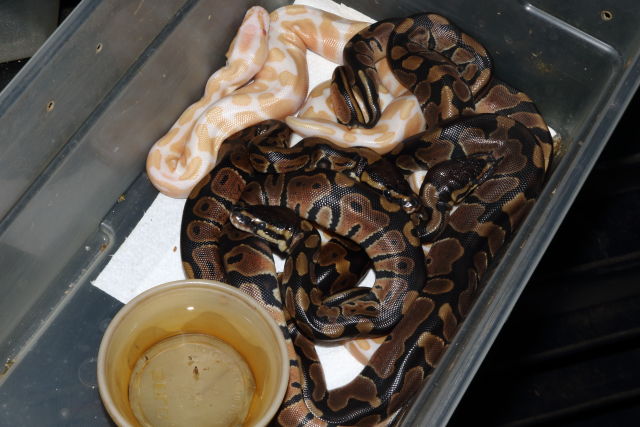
<point>360,164</point>
<point>443,67</point>
<point>211,249</point>
<point>337,203</point>
<point>483,174</point>
<point>386,233</point>
<point>207,208</point>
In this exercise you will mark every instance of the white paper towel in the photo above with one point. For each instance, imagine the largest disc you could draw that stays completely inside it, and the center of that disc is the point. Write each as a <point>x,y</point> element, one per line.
<point>151,253</point>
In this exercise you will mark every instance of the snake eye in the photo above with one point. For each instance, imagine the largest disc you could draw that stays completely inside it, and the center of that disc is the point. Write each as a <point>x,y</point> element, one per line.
<point>410,205</point>
<point>323,164</point>
<point>261,129</point>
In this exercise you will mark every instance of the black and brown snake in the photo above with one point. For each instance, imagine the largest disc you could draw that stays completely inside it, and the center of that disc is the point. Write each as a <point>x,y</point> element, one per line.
<point>484,156</point>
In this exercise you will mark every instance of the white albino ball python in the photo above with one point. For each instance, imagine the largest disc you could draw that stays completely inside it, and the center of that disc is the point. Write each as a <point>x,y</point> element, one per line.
<point>178,161</point>
<point>399,120</point>
<point>401,117</point>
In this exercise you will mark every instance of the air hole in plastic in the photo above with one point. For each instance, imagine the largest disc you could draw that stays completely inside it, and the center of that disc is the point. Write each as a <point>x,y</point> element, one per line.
<point>606,15</point>
<point>50,106</point>
<point>98,47</point>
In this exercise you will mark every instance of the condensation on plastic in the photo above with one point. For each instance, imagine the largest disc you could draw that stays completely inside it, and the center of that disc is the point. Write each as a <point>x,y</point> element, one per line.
<point>79,118</point>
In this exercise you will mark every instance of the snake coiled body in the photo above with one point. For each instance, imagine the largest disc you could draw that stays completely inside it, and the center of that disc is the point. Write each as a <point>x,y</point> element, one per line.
<point>361,164</point>
<point>480,169</point>
<point>401,117</point>
<point>176,165</point>
<point>443,67</point>
<point>206,211</point>
<point>387,234</point>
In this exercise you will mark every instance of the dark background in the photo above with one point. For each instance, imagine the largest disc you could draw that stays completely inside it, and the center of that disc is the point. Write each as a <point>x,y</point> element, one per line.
<point>569,353</point>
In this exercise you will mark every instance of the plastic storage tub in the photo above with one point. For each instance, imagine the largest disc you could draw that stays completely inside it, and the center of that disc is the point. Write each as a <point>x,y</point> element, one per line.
<point>77,121</point>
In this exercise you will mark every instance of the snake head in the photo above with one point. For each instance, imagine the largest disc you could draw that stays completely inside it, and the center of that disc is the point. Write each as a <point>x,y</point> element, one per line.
<point>429,223</point>
<point>409,202</point>
<point>275,224</point>
<point>383,176</point>
<point>454,179</point>
<point>354,96</point>
<point>272,133</point>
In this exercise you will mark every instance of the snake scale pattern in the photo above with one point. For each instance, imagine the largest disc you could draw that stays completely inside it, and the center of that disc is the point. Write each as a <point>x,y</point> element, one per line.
<point>477,169</point>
